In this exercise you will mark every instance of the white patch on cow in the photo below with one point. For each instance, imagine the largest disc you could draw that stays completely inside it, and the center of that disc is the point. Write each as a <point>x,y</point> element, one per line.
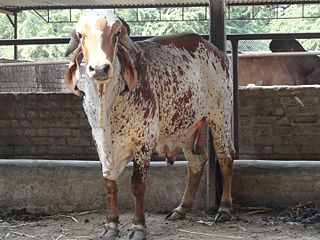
<point>108,15</point>
<point>113,157</point>
<point>91,16</point>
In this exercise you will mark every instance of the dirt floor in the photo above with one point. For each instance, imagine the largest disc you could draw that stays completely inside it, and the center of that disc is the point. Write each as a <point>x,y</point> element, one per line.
<point>300,222</point>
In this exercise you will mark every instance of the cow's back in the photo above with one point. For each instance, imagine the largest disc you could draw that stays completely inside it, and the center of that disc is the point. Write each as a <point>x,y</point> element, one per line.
<point>190,80</point>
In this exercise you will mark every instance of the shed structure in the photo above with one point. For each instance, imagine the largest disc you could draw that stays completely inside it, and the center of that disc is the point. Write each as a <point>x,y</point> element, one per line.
<point>217,36</point>
<point>217,32</point>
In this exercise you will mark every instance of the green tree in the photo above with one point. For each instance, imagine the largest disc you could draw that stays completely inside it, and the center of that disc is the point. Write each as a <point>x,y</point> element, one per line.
<point>6,30</point>
<point>31,25</point>
<point>241,20</point>
<point>310,23</point>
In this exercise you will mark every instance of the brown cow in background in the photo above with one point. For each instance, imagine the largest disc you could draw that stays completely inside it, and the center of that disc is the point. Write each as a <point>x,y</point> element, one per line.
<point>280,70</point>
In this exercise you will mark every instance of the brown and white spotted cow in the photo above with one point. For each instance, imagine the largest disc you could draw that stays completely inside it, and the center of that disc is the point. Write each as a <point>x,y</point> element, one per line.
<point>152,95</point>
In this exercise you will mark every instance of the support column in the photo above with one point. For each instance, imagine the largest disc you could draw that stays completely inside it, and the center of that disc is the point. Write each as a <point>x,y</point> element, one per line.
<point>217,23</point>
<point>217,36</point>
<point>235,96</point>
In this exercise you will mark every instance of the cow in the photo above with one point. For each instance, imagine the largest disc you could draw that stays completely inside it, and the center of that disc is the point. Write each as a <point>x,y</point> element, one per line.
<point>285,45</point>
<point>280,70</point>
<point>153,95</point>
<point>309,66</point>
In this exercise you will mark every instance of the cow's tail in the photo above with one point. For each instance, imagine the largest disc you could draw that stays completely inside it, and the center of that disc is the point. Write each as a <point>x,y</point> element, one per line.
<point>217,171</point>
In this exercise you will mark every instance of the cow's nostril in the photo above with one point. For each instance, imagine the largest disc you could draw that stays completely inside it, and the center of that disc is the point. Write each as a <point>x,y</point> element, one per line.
<point>105,68</point>
<point>91,69</point>
<point>99,70</point>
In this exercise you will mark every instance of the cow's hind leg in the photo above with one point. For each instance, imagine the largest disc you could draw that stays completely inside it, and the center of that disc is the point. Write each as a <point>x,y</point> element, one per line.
<point>225,153</point>
<point>196,163</point>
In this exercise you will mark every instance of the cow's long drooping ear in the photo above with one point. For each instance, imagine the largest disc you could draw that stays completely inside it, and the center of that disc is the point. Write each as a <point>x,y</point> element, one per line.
<point>125,40</point>
<point>128,70</point>
<point>72,74</point>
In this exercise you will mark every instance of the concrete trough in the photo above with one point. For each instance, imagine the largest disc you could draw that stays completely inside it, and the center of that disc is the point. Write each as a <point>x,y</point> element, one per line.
<point>276,184</point>
<point>53,186</point>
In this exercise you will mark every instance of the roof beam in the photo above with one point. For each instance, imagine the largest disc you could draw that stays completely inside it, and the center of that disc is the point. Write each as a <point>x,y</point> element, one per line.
<point>7,12</point>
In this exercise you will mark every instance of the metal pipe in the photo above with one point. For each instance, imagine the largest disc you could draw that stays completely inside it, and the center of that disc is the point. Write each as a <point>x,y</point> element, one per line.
<point>273,36</point>
<point>15,23</point>
<point>231,37</point>
<point>234,44</point>
<point>33,41</point>
<point>24,64</point>
<point>278,54</point>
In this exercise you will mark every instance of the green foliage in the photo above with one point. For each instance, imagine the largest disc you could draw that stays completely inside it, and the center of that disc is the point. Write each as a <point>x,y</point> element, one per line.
<point>310,23</point>
<point>241,20</point>
<point>31,25</point>
<point>6,31</point>
<point>171,21</point>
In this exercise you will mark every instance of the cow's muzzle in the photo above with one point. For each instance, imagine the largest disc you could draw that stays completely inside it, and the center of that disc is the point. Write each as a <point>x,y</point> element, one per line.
<point>101,72</point>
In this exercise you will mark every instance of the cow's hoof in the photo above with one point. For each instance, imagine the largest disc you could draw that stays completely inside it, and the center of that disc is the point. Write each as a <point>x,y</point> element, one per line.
<point>110,234</point>
<point>137,234</point>
<point>222,216</point>
<point>106,238</point>
<point>175,215</point>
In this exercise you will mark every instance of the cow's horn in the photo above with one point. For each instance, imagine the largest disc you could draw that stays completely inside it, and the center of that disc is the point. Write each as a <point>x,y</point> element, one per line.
<point>129,45</point>
<point>73,43</point>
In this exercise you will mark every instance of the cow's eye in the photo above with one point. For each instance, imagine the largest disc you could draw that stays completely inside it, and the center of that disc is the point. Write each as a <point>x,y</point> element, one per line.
<point>117,35</point>
<point>79,35</point>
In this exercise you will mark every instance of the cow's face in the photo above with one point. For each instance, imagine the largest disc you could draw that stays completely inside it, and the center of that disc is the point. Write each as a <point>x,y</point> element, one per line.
<point>99,37</point>
<point>102,39</point>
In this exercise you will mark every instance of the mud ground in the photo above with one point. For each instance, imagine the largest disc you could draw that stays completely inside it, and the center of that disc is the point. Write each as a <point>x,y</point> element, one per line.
<point>301,223</point>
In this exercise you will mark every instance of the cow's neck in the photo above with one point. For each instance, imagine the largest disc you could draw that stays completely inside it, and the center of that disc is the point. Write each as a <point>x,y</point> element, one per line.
<point>105,96</point>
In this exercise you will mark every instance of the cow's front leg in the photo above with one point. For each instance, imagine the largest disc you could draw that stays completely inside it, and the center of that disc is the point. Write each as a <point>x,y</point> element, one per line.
<point>138,188</point>
<point>112,224</point>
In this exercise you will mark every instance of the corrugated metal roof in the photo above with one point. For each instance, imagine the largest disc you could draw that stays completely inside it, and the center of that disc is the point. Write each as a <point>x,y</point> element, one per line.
<point>64,3</point>
<point>246,2</point>
<point>29,4</point>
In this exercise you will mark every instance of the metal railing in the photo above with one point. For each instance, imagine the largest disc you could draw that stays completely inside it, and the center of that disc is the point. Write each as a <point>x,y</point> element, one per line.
<point>235,47</point>
<point>234,39</point>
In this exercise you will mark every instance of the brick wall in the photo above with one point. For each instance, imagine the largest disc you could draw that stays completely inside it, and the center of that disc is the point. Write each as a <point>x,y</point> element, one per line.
<point>44,126</point>
<point>280,122</point>
<point>275,123</point>
<point>32,77</point>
